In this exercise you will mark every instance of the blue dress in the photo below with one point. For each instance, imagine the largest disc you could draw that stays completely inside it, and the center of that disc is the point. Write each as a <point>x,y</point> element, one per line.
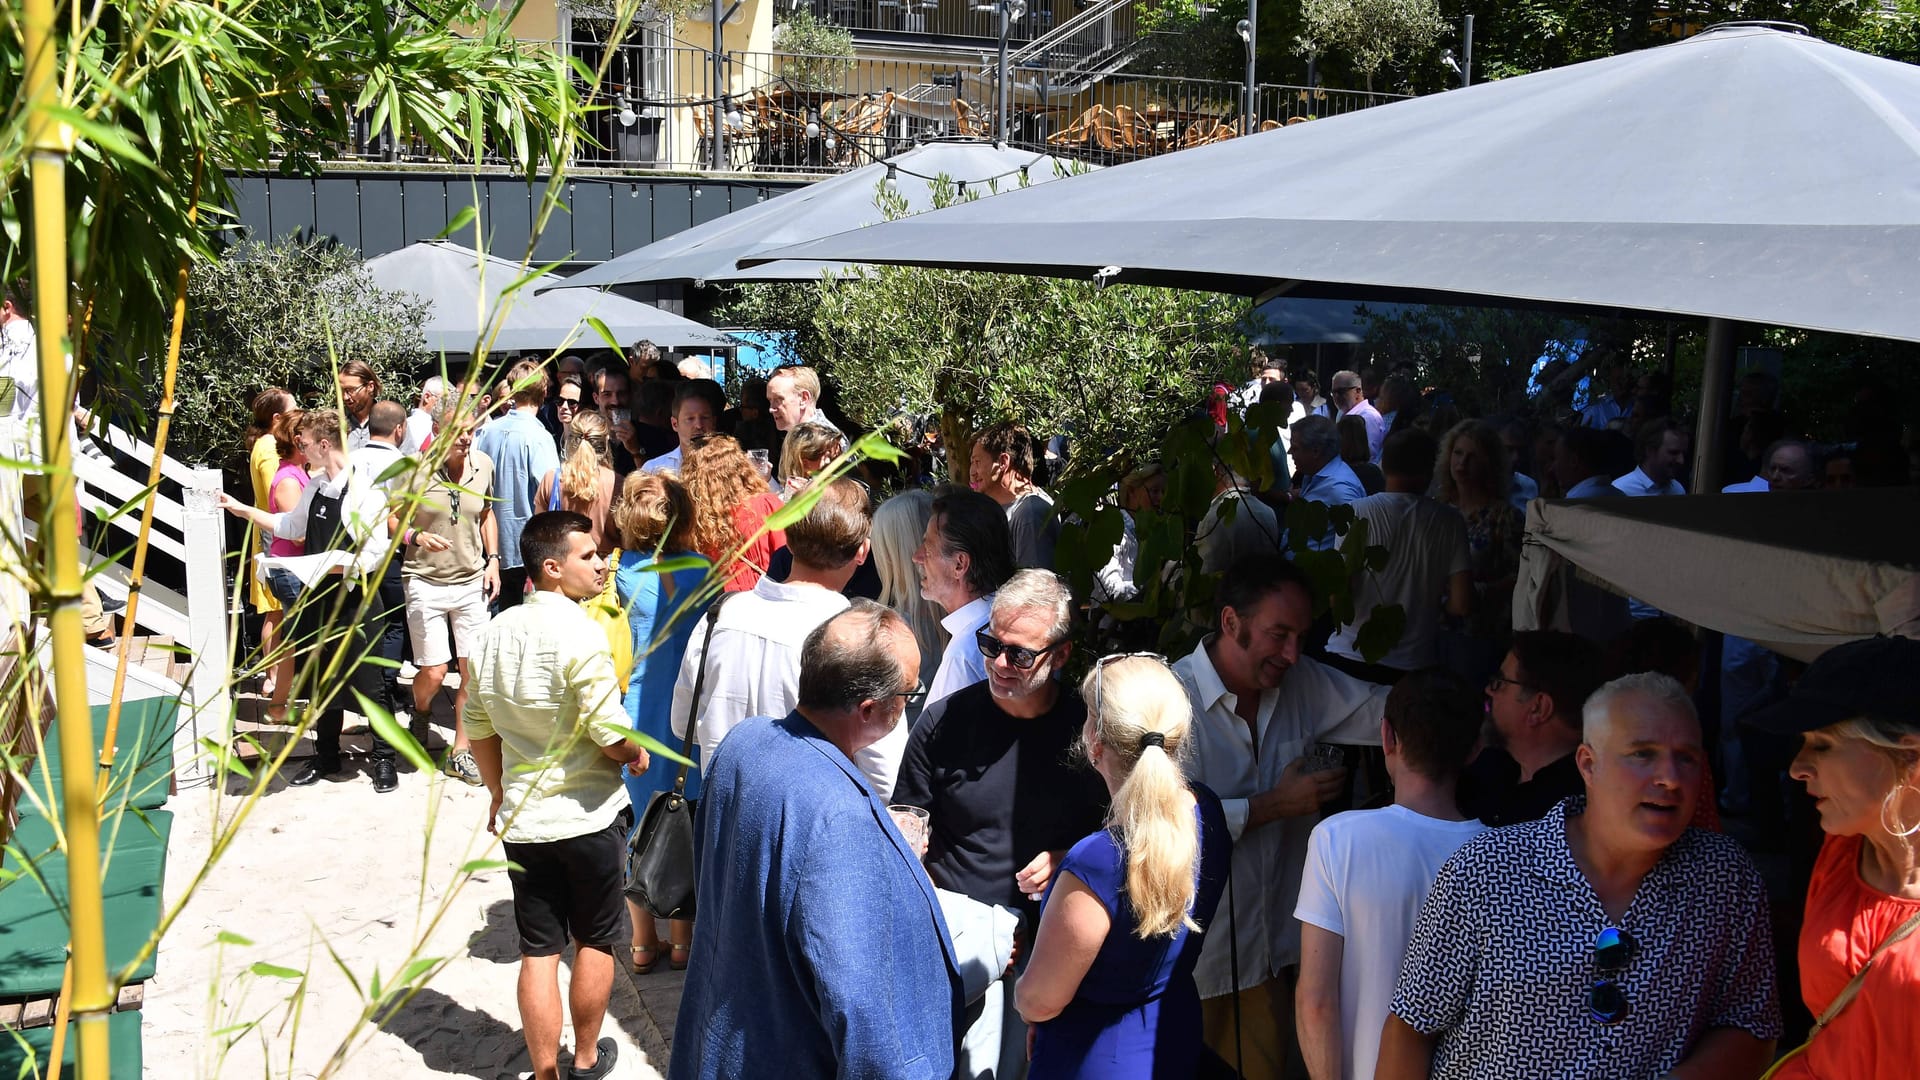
<point>1137,1012</point>
<point>651,601</point>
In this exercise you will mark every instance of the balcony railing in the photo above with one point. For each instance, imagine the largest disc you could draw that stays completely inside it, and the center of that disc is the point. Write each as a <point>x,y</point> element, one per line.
<point>928,19</point>
<point>796,113</point>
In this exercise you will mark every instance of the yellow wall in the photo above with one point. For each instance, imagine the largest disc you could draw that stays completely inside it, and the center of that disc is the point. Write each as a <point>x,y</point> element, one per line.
<point>539,20</point>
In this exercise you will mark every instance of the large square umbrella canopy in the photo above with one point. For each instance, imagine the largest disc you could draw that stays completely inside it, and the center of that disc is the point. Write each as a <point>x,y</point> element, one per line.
<point>1747,173</point>
<point>709,252</point>
<point>462,288</point>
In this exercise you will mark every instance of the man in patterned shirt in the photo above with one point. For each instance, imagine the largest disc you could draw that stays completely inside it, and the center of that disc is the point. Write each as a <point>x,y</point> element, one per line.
<point>1607,939</point>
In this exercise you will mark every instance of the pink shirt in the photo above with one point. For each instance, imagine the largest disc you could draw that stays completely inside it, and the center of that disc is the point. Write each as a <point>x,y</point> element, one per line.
<point>297,474</point>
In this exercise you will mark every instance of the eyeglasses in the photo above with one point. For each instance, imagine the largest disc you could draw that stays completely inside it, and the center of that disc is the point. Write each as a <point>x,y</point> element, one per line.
<point>1346,389</point>
<point>915,695</point>
<point>1607,1000</point>
<point>1499,681</point>
<point>356,388</point>
<point>1100,667</point>
<point>1023,658</point>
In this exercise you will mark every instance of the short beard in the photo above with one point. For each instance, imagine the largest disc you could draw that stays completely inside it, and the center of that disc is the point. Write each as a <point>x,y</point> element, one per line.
<point>1491,735</point>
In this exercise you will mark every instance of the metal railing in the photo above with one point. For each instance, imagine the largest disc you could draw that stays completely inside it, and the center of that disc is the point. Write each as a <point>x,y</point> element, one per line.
<point>1077,45</point>
<point>882,19</point>
<point>809,114</point>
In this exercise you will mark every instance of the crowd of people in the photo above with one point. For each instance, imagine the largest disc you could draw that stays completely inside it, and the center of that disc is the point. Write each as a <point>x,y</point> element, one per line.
<point>934,840</point>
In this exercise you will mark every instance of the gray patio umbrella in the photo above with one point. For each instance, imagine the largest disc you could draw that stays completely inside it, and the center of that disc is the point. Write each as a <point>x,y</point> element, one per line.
<point>708,252</point>
<point>1746,174</point>
<point>462,287</point>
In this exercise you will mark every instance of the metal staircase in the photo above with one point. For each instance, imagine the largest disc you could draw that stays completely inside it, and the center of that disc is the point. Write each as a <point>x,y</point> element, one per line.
<point>1082,50</point>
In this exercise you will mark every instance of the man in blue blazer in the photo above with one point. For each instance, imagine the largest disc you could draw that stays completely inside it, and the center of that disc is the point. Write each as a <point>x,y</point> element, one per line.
<point>820,949</point>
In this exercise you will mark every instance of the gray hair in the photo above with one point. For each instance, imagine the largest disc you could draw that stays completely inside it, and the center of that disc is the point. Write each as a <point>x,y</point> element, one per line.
<point>434,386</point>
<point>1316,435</point>
<point>1037,589</point>
<point>1661,689</point>
<point>849,659</point>
<point>445,409</point>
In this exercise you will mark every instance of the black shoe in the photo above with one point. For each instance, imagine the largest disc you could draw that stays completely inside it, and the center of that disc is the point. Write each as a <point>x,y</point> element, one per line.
<point>385,776</point>
<point>602,1066</point>
<point>314,771</point>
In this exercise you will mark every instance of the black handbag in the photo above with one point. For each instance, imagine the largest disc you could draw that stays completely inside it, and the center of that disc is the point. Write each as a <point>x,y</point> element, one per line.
<point>660,852</point>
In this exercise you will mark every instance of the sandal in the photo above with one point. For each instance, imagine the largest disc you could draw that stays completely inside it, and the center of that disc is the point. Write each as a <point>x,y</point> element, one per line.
<point>677,958</point>
<point>652,951</point>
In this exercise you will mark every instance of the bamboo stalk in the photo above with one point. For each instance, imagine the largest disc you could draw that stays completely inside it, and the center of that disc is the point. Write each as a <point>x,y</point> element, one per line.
<point>49,142</point>
<point>108,744</point>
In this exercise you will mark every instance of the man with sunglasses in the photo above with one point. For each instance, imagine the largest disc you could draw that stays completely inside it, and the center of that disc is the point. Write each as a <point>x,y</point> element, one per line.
<point>1607,939</point>
<point>1532,728</point>
<point>991,766</point>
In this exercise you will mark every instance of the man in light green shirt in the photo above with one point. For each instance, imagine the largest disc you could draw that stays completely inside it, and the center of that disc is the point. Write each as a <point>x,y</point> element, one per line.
<point>545,717</point>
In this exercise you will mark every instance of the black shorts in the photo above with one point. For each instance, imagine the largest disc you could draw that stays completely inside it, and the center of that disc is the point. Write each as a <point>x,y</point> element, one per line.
<point>571,890</point>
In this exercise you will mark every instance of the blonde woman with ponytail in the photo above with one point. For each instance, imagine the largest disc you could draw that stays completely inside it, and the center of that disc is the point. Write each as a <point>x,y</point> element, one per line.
<point>1109,990</point>
<point>584,481</point>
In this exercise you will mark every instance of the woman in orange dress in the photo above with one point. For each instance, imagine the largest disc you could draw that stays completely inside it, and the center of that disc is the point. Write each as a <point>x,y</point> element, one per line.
<point>1858,711</point>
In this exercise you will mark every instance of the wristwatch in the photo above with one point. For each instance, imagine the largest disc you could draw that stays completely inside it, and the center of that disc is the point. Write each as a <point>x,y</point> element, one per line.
<point>494,556</point>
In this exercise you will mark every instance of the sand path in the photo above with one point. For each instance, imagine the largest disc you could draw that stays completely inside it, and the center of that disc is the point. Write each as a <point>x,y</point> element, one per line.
<point>342,863</point>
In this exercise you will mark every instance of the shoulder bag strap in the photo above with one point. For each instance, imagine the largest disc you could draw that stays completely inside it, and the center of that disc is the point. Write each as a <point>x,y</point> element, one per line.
<point>699,684</point>
<point>1852,989</point>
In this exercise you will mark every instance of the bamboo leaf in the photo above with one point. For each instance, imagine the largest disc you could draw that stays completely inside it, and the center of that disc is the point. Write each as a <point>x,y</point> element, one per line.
<point>651,745</point>
<point>606,335</point>
<point>228,937</point>
<point>481,866</point>
<point>396,736</point>
<point>460,221</point>
<point>275,971</point>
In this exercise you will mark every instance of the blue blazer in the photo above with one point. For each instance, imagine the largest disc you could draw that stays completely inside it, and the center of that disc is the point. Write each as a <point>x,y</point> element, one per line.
<point>819,948</point>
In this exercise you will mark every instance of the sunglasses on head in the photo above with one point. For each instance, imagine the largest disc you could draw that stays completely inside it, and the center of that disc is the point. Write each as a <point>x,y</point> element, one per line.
<point>1100,666</point>
<point>1607,998</point>
<point>1023,658</point>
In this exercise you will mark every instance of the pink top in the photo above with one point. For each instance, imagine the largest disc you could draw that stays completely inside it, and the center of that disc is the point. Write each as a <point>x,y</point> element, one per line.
<point>297,474</point>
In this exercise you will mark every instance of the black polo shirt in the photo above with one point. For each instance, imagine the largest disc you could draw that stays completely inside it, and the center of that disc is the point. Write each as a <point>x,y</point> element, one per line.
<point>1491,789</point>
<point>999,790</point>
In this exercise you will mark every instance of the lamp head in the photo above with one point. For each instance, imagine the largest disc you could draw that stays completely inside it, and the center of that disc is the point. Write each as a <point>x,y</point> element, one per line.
<point>1245,29</point>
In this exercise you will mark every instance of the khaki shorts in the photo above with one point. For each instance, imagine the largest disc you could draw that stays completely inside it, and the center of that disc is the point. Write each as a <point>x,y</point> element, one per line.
<point>433,610</point>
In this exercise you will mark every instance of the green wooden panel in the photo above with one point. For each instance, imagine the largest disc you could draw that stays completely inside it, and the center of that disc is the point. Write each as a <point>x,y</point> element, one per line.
<point>124,1050</point>
<point>33,906</point>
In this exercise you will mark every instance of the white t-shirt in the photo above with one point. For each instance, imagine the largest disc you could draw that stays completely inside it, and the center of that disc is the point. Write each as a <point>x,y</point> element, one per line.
<point>1426,543</point>
<point>1367,873</point>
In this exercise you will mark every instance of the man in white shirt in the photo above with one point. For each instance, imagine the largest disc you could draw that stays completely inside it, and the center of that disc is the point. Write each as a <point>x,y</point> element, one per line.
<point>1237,524</point>
<point>1000,467</point>
<point>17,359</point>
<point>420,420</point>
<point>1258,707</point>
<point>697,405</point>
<point>1349,400</point>
<point>963,558</point>
<point>753,662</point>
<point>1426,544</point>
<point>1662,449</point>
<point>1367,872</point>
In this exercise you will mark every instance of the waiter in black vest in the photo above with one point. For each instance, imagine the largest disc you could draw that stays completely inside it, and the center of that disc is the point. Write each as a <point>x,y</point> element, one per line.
<point>338,617</point>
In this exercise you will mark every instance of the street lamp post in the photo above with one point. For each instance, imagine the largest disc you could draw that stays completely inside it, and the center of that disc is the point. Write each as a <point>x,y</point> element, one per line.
<point>1249,30</point>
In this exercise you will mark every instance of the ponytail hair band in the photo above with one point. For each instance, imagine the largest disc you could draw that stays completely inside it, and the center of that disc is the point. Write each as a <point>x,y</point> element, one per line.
<point>1152,738</point>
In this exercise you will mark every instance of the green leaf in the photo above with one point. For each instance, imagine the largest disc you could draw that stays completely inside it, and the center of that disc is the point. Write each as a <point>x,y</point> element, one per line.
<point>224,758</point>
<point>460,221</point>
<point>1383,630</point>
<point>481,866</point>
<point>228,937</point>
<point>606,335</point>
<point>417,969</point>
<point>674,566</point>
<point>396,736</point>
<point>651,745</point>
<point>275,971</point>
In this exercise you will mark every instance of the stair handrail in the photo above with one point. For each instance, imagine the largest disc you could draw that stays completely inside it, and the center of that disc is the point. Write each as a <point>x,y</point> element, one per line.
<point>1093,14</point>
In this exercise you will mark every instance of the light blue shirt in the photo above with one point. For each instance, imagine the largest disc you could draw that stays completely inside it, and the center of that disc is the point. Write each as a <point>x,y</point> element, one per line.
<point>1593,487</point>
<point>1601,414</point>
<point>1334,485</point>
<point>667,462</point>
<point>522,452</point>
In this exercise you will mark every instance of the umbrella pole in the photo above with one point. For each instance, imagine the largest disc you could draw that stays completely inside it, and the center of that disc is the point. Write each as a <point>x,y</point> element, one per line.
<point>1716,386</point>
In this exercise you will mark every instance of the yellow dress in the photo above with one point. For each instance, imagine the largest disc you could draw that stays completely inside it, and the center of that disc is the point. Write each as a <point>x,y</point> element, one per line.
<point>263,463</point>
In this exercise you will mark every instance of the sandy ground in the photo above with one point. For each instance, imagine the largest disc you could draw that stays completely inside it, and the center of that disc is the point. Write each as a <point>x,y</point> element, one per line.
<point>340,864</point>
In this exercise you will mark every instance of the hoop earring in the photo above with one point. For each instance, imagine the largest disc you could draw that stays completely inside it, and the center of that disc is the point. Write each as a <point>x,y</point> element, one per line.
<point>1889,815</point>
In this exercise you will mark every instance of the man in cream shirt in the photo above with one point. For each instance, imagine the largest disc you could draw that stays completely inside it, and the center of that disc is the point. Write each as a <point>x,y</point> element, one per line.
<point>546,720</point>
<point>1259,707</point>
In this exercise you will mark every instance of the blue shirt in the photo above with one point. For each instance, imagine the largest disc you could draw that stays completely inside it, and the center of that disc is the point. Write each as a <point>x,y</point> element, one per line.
<point>1334,485</point>
<point>653,604</point>
<point>822,949</point>
<point>522,452</point>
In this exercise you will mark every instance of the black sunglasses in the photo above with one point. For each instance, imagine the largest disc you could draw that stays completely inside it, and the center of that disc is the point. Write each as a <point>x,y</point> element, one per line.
<point>915,695</point>
<point>1607,999</point>
<point>1023,658</point>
